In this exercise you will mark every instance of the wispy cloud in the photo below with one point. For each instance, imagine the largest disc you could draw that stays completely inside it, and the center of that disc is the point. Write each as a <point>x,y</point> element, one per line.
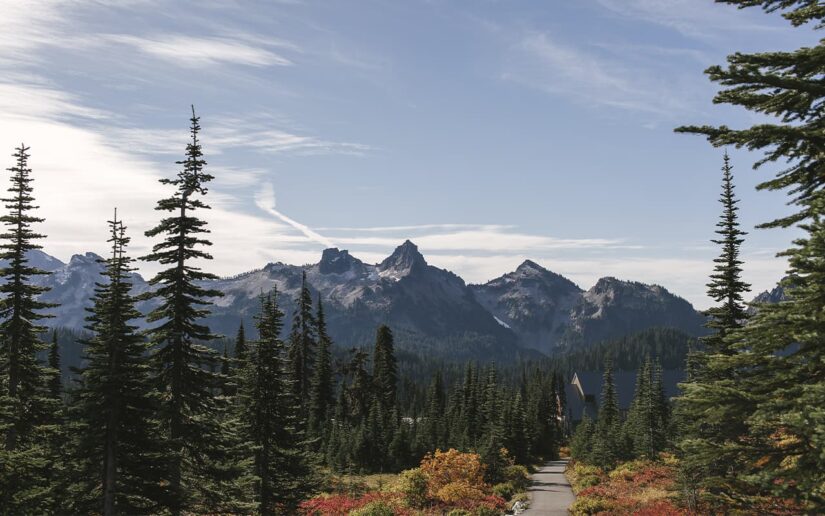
<point>201,52</point>
<point>585,74</point>
<point>265,200</point>
<point>701,19</point>
<point>265,134</point>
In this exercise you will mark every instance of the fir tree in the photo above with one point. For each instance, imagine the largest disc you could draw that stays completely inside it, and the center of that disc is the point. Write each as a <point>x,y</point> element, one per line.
<point>25,404</point>
<point>302,344</point>
<point>183,363</point>
<point>385,368</point>
<point>779,354</point>
<point>118,453</point>
<point>270,416</point>
<point>321,397</point>
<point>726,286</point>
<point>240,345</point>
<point>55,381</point>
<point>606,449</point>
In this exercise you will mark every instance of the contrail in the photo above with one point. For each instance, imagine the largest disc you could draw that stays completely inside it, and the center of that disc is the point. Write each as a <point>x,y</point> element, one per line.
<point>265,200</point>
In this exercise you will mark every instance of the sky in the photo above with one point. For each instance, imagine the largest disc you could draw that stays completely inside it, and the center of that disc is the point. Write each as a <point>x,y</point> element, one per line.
<point>485,131</point>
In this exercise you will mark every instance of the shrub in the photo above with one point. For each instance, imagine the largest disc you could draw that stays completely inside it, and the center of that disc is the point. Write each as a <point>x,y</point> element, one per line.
<point>584,506</point>
<point>376,508</point>
<point>505,490</point>
<point>518,476</point>
<point>412,485</point>
<point>453,467</point>
<point>459,491</point>
<point>459,512</point>
<point>486,511</point>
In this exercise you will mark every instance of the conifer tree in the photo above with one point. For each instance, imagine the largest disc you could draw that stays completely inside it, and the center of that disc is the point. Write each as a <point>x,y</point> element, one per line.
<point>321,388</point>
<point>183,363</point>
<point>25,404</point>
<point>240,345</point>
<point>779,359</point>
<point>385,368</point>
<point>55,381</point>
<point>120,467</point>
<point>269,416</point>
<point>302,344</point>
<point>606,450</point>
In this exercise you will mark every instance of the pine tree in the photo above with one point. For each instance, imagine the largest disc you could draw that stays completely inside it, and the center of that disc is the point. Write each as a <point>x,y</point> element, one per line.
<point>302,344</point>
<point>726,286</point>
<point>779,361</point>
<point>240,345</point>
<point>385,368</point>
<point>188,410</point>
<point>269,416</point>
<point>25,404</point>
<point>118,454</point>
<point>55,381</point>
<point>606,450</point>
<point>321,397</point>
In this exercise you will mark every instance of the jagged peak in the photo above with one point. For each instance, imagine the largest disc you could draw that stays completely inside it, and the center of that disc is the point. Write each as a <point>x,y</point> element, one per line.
<point>530,265</point>
<point>84,258</point>
<point>336,261</point>
<point>405,256</point>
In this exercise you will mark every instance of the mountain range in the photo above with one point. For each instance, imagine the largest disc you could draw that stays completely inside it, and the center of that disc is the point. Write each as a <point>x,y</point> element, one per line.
<point>529,311</point>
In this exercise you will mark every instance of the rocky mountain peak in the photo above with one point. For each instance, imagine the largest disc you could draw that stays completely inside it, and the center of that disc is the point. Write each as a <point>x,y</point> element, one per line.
<point>336,261</point>
<point>402,261</point>
<point>529,266</point>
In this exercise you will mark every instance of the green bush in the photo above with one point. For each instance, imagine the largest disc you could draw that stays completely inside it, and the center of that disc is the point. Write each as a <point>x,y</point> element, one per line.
<point>505,490</point>
<point>412,484</point>
<point>376,508</point>
<point>586,506</point>
<point>485,511</point>
<point>459,512</point>
<point>518,476</point>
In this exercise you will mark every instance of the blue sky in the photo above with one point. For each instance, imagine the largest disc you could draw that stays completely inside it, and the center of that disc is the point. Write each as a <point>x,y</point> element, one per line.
<point>487,131</point>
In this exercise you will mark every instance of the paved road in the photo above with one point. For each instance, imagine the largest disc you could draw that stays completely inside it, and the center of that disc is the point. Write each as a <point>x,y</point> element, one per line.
<point>550,494</point>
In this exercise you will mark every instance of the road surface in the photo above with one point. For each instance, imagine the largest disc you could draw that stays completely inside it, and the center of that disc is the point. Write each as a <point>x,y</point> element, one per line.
<point>550,494</point>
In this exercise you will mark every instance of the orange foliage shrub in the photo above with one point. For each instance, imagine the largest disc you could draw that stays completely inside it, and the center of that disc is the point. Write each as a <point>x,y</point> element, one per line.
<point>462,472</point>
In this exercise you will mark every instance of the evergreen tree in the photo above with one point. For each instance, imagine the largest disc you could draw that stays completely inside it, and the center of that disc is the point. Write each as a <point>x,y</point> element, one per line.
<point>25,404</point>
<point>321,393</point>
<point>183,363</point>
<point>726,286</point>
<point>55,381</point>
<point>118,453</point>
<point>302,344</point>
<point>779,355</point>
<point>606,449</point>
<point>240,345</point>
<point>385,368</point>
<point>270,419</point>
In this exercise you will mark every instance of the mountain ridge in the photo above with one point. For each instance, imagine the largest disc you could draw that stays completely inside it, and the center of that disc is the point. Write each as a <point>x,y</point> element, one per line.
<point>530,309</point>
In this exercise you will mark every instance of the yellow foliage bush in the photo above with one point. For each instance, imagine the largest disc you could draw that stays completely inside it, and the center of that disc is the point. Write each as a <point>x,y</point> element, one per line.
<point>465,470</point>
<point>459,491</point>
<point>413,485</point>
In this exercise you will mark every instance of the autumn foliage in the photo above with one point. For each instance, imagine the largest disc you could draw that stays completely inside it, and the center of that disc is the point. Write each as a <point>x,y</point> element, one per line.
<point>445,481</point>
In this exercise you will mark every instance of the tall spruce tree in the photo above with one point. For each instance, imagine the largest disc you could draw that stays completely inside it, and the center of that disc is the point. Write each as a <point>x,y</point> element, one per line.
<point>321,388</point>
<point>240,345</point>
<point>385,368</point>
<point>712,411</point>
<point>302,344</point>
<point>25,404</point>
<point>55,378</point>
<point>182,362</point>
<point>269,417</point>
<point>119,456</point>
<point>780,352</point>
<point>606,438</point>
